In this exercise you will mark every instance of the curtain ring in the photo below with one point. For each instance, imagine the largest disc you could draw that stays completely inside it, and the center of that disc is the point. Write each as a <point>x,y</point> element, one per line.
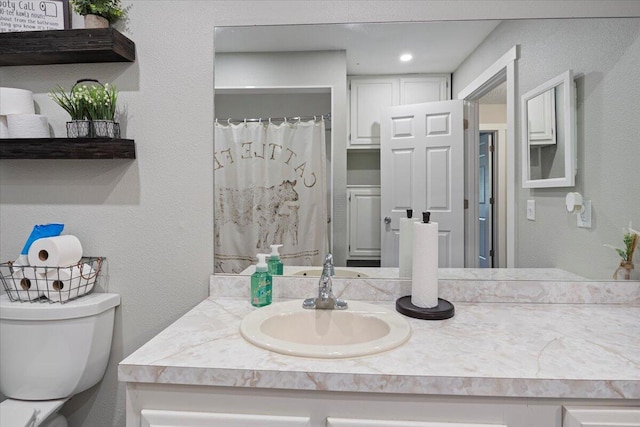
<point>229,121</point>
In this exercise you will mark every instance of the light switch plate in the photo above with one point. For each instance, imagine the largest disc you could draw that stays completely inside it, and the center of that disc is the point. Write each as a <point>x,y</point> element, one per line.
<point>531,210</point>
<point>584,218</point>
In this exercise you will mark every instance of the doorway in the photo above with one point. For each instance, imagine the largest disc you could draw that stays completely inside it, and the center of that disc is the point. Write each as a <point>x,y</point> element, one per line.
<point>502,72</point>
<point>485,199</point>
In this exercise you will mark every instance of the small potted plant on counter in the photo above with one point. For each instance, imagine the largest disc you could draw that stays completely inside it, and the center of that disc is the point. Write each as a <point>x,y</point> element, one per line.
<point>630,240</point>
<point>98,13</point>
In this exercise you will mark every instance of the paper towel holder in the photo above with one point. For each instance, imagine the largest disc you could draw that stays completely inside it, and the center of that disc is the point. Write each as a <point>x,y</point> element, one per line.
<point>444,309</point>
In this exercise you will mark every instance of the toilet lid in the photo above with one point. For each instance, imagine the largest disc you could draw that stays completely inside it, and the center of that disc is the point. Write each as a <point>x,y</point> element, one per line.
<point>19,413</point>
<point>88,305</point>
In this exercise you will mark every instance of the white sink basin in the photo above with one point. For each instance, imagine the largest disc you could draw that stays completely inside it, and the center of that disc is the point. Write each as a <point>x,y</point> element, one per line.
<point>344,273</point>
<point>360,330</point>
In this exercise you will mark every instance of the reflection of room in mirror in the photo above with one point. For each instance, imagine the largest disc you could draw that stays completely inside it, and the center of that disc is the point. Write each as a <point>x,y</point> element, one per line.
<point>546,138</point>
<point>549,134</point>
<point>605,137</point>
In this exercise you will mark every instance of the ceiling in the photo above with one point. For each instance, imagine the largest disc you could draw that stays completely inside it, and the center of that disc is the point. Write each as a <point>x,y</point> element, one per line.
<point>437,47</point>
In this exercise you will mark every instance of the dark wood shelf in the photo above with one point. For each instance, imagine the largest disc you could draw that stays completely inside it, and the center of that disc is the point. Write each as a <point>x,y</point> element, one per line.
<point>65,47</point>
<point>67,148</point>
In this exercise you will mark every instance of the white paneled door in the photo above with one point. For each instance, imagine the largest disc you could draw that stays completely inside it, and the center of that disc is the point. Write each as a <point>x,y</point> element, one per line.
<point>422,168</point>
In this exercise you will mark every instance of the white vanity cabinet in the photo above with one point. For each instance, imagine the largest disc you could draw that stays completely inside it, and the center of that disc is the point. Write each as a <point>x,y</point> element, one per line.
<point>164,405</point>
<point>363,225</point>
<point>578,416</point>
<point>162,418</point>
<point>369,95</point>
<point>337,422</point>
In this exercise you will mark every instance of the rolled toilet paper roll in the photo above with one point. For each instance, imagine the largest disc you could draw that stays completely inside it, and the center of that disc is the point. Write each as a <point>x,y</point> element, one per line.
<point>58,251</point>
<point>424,280</point>
<point>4,129</point>
<point>16,101</point>
<point>71,282</point>
<point>27,126</point>
<point>26,284</point>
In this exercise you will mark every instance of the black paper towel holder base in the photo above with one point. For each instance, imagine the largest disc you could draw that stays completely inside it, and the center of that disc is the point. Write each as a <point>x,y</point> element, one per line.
<point>444,309</point>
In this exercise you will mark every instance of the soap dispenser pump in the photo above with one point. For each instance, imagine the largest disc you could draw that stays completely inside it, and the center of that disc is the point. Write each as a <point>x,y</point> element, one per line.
<point>274,264</point>
<point>261,283</point>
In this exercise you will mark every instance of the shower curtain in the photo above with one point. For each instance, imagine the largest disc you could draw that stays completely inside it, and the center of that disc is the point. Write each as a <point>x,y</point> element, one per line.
<point>270,188</point>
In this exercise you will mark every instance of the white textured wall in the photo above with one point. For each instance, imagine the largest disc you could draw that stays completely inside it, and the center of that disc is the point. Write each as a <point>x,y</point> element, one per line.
<point>605,57</point>
<point>152,217</point>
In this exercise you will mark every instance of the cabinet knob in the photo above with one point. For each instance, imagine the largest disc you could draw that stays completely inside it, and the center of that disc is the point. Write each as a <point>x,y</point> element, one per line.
<point>387,220</point>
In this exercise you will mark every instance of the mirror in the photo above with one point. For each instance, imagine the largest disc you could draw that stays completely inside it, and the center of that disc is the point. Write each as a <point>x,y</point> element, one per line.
<point>549,152</point>
<point>243,58</point>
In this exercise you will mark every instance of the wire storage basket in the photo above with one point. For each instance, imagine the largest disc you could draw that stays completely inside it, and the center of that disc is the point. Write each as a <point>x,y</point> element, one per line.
<point>25,283</point>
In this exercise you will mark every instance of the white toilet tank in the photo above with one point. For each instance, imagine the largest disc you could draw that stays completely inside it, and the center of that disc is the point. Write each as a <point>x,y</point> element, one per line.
<point>53,351</point>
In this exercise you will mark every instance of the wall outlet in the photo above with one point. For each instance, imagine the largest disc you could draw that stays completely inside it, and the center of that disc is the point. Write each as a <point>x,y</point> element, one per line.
<point>531,210</point>
<point>584,217</point>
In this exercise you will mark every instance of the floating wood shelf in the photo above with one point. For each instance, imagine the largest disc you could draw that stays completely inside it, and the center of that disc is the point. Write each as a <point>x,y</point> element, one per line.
<point>67,148</point>
<point>65,47</point>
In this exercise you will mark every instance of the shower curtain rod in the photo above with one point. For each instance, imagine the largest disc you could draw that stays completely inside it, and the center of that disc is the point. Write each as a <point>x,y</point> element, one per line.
<point>277,119</point>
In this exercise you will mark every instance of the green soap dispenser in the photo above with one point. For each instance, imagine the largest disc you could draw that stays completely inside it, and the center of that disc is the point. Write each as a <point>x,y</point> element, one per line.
<point>261,283</point>
<point>275,265</point>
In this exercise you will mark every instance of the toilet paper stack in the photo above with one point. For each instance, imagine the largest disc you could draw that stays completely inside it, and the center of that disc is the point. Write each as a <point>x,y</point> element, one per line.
<point>17,115</point>
<point>27,284</point>
<point>55,267</point>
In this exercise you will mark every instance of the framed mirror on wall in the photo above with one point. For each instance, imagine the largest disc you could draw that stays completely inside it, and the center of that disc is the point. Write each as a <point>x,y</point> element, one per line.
<point>549,145</point>
<point>330,55</point>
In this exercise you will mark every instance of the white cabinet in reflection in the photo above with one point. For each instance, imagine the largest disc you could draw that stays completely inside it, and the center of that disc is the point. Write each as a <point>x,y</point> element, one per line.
<point>542,119</point>
<point>363,225</point>
<point>369,95</point>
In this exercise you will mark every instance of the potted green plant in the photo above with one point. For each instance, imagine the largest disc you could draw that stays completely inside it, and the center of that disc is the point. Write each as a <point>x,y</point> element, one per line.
<point>100,106</point>
<point>72,103</point>
<point>98,13</point>
<point>630,239</point>
<point>92,109</point>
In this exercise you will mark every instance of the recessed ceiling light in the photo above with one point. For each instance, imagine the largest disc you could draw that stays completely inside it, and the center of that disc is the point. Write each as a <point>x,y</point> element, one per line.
<point>406,57</point>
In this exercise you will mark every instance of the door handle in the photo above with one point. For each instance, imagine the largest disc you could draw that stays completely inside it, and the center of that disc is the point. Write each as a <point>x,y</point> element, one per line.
<point>387,220</point>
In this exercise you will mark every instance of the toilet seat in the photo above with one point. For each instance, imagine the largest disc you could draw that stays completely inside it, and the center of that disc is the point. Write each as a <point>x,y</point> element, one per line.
<point>19,413</point>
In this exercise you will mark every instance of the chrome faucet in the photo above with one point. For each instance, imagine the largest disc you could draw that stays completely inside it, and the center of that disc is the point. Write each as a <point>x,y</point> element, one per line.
<point>325,299</point>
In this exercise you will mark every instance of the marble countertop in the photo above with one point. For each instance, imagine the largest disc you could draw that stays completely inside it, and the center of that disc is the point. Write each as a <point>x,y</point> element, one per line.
<point>507,349</point>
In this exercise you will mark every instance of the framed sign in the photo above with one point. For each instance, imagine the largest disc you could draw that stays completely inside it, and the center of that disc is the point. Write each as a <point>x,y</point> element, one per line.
<point>33,15</point>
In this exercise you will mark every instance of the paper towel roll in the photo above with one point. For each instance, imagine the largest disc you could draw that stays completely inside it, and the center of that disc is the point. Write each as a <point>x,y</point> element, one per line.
<point>424,281</point>
<point>27,126</point>
<point>4,129</point>
<point>16,101</point>
<point>26,284</point>
<point>405,258</point>
<point>59,251</point>
<point>70,282</point>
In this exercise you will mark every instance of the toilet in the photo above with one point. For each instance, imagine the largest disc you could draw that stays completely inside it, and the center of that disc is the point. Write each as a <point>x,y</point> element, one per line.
<point>50,352</point>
